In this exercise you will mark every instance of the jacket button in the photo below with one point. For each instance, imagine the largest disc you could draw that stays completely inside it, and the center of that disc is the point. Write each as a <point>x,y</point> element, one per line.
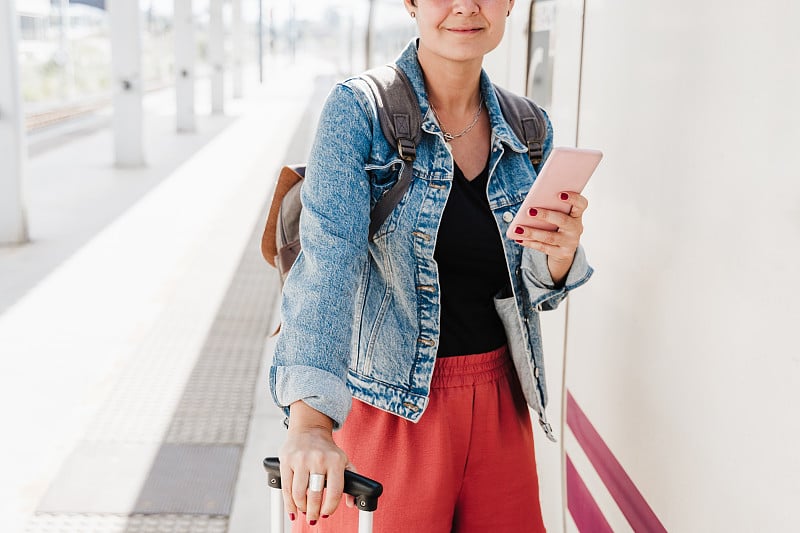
<point>411,406</point>
<point>508,217</point>
<point>426,342</point>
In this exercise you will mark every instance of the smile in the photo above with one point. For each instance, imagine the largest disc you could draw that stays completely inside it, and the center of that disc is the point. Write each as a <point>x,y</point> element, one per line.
<point>464,31</point>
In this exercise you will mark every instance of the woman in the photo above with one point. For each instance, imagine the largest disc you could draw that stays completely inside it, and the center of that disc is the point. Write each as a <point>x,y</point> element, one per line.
<point>397,342</point>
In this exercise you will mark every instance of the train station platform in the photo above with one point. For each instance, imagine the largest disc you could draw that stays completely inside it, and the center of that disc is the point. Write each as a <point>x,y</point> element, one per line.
<point>134,328</point>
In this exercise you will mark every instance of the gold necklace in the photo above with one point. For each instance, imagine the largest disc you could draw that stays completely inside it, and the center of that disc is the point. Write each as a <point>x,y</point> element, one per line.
<point>449,136</point>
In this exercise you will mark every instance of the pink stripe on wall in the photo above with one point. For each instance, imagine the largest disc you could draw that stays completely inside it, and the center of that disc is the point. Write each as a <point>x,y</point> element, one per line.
<point>631,502</point>
<point>584,510</point>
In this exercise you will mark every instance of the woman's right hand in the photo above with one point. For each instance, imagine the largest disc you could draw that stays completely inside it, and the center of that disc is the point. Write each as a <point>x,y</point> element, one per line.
<point>309,449</point>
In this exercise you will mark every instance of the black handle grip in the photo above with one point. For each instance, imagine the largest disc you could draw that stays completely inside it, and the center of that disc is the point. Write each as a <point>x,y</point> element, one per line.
<point>366,491</point>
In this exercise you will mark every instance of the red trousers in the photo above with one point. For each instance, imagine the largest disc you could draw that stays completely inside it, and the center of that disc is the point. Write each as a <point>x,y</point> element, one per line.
<point>467,466</point>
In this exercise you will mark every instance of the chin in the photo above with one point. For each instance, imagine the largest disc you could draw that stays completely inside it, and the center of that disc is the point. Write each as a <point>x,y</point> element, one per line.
<point>461,51</point>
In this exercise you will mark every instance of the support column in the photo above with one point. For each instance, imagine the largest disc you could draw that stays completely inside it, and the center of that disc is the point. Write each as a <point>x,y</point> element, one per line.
<point>126,81</point>
<point>184,66</point>
<point>293,30</point>
<point>13,227</point>
<point>260,37</point>
<point>238,49</point>
<point>216,56</point>
<point>65,53</point>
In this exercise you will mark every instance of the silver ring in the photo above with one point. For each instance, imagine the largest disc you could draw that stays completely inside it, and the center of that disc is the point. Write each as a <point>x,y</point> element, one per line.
<point>316,482</point>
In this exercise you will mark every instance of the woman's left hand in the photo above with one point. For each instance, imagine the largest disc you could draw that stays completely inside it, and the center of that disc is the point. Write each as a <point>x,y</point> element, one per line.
<point>559,245</point>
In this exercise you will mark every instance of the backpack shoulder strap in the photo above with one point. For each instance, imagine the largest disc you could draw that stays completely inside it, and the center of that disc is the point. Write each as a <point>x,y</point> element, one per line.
<point>401,123</point>
<point>526,120</point>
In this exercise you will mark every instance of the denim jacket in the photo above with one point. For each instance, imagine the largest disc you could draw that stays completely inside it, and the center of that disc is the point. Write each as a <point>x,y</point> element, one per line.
<point>360,318</point>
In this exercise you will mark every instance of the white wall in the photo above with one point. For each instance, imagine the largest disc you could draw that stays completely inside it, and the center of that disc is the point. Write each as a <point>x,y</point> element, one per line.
<point>683,350</point>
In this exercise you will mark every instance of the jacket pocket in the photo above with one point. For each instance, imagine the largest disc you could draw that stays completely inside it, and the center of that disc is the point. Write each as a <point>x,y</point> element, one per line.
<point>382,179</point>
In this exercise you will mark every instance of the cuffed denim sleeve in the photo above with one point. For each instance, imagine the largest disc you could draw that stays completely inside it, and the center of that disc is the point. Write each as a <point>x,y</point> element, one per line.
<point>543,295</point>
<point>312,353</point>
<point>320,389</point>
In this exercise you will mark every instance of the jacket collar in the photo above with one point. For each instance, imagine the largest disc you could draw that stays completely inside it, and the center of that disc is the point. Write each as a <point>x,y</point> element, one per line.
<point>501,131</point>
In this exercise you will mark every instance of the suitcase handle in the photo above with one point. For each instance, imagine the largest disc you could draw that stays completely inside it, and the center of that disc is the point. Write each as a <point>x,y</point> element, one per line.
<point>366,491</point>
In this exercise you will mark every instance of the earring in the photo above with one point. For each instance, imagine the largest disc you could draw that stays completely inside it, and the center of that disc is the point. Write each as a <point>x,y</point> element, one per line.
<point>413,15</point>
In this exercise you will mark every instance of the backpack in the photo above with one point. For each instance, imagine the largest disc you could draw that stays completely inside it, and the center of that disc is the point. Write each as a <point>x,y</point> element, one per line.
<point>400,119</point>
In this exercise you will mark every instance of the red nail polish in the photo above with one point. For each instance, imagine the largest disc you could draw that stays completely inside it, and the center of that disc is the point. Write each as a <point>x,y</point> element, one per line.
<point>313,523</point>
<point>519,241</point>
<point>533,212</point>
<point>292,517</point>
<point>519,231</point>
<point>325,516</point>
<point>564,196</point>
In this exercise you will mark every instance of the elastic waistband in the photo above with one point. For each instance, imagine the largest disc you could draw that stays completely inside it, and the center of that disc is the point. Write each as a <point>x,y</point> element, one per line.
<point>475,369</point>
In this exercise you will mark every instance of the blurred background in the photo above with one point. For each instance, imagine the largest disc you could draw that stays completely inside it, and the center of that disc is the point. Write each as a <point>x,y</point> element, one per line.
<point>65,45</point>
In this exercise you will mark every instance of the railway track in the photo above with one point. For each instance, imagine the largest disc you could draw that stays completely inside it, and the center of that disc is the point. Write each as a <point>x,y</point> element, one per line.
<point>51,117</point>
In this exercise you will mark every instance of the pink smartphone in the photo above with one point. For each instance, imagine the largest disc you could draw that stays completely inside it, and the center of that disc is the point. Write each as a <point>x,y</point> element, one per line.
<point>566,170</point>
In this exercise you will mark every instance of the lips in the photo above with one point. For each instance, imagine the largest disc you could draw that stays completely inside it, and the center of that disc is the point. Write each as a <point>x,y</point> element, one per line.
<point>464,30</point>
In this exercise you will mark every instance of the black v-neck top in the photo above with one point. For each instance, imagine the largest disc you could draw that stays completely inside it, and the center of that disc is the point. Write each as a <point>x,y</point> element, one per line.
<point>472,270</point>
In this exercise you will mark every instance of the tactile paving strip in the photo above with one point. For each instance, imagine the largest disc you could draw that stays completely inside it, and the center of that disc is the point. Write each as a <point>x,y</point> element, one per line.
<point>217,401</point>
<point>190,480</point>
<point>77,523</point>
<point>100,523</point>
<point>173,523</point>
